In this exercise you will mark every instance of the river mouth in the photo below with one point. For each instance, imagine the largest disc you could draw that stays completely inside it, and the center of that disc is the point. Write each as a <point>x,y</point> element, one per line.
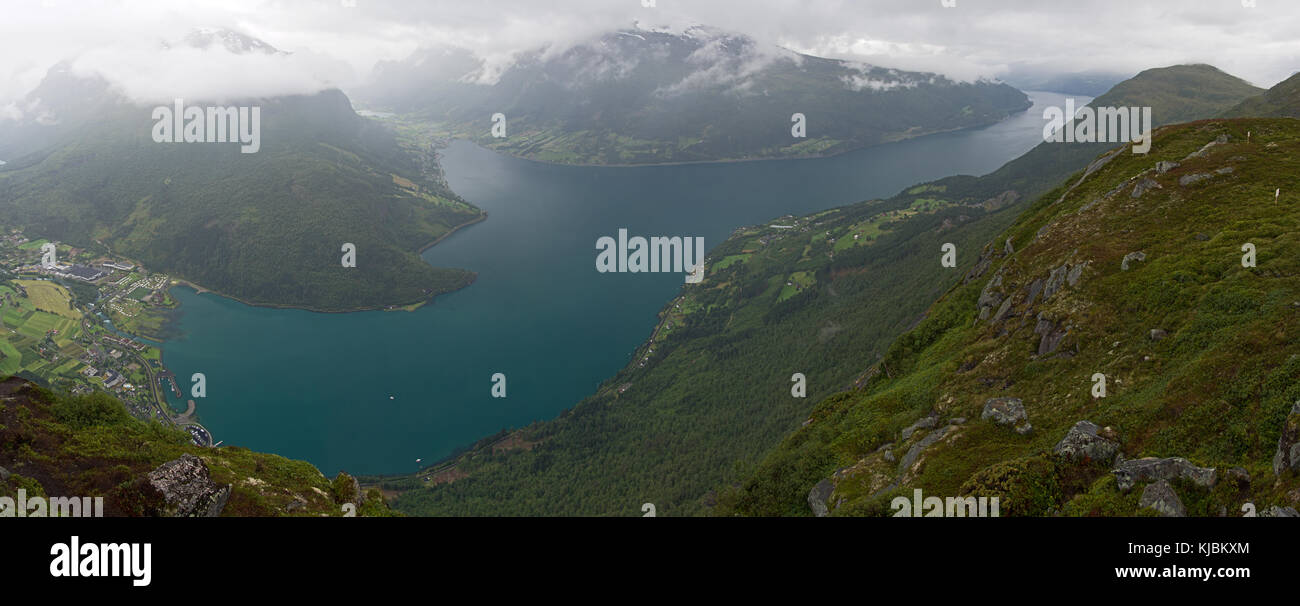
<point>372,392</point>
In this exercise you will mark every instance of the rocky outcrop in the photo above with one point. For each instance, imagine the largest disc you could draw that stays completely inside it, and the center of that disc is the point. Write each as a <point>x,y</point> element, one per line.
<point>1130,472</point>
<point>1085,442</point>
<point>1288,444</point>
<point>1006,411</point>
<point>817,498</point>
<point>927,422</point>
<point>1280,512</point>
<point>1133,256</point>
<point>1051,334</point>
<point>187,488</point>
<point>1160,496</point>
<point>991,296</point>
<point>1145,185</point>
<point>1220,140</point>
<point>915,451</point>
<point>1164,167</point>
<point>1158,334</point>
<point>1193,179</point>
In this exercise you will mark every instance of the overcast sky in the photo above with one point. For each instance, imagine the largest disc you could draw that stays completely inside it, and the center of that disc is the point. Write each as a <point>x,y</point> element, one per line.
<point>336,45</point>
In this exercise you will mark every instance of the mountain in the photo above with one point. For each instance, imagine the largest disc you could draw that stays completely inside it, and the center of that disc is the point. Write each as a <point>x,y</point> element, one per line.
<point>1283,100</point>
<point>265,227</point>
<point>1111,353</point>
<point>709,394</point>
<point>642,96</point>
<point>58,445</point>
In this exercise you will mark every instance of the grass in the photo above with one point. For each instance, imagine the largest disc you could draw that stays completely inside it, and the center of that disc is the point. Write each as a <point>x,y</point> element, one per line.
<point>1215,390</point>
<point>50,297</point>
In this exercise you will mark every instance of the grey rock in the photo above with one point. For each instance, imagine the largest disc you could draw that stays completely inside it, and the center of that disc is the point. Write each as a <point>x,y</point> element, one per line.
<point>1133,256</point>
<point>1164,167</point>
<point>914,452</point>
<point>1002,312</point>
<point>1051,334</point>
<point>1055,280</point>
<point>1004,411</point>
<point>1186,180</point>
<point>1091,203</point>
<point>1082,444</point>
<point>188,488</point>
<point>990,296</point>
<point>1024,429</point>
<point>1280,512</point>
<point>1227,170</point>
<point>1160,496</point>
<point>817,498</point>
<point>1288,444</point>
<point>957,421</point>
<point>1158,334</point>
<point>927,422</point>
<point>1201,237</point>
<point>1035,288</point>
<point>1145,185</point>
<point>1130,472</point>
<point>1076,273</point>
<point>1220,140</point>
<point>4,474</point>
<point>1009,249</point>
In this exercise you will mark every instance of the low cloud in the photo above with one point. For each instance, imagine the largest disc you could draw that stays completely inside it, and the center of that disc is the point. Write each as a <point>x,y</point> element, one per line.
<point>334,45</point>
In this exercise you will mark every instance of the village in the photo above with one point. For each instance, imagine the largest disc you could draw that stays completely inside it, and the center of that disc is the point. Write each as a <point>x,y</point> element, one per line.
<point>84,323</point>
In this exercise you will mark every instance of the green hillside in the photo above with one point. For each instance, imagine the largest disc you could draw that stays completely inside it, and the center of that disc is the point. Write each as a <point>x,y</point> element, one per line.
<point>1135,273</point>
<point>58,445</point>
<point>1283,100</point>
<point>265,227</point>
<point>709,393</point>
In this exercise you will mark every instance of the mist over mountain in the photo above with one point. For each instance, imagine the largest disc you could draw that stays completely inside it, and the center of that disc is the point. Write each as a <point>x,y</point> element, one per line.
<point>641,95</point>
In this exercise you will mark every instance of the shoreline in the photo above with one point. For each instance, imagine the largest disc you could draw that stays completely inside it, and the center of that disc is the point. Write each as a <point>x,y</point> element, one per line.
<point>821,156</point>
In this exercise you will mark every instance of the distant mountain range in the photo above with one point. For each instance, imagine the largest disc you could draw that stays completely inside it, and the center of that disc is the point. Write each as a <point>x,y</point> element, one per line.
<point>642,96</point>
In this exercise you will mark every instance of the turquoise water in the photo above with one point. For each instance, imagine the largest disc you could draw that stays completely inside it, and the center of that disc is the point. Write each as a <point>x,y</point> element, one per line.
<point>371,392</point>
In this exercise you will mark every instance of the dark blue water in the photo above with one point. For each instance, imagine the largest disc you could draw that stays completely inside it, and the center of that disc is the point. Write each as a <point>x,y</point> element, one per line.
<point>318,386</point>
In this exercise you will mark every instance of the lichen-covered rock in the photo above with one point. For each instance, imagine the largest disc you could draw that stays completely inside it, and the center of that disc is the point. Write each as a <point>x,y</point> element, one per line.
<point>1288,444</point>
<point>1133,256</point>
<point>1160,496</point>
<point>1130,472</point>
<point>1004,411</point>
<point>188,489</point>
<point>1082,444</point>
<point>1280,512</point>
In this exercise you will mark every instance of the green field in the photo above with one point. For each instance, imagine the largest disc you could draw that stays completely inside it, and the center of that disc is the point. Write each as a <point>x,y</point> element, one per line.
<point>50,297</point>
